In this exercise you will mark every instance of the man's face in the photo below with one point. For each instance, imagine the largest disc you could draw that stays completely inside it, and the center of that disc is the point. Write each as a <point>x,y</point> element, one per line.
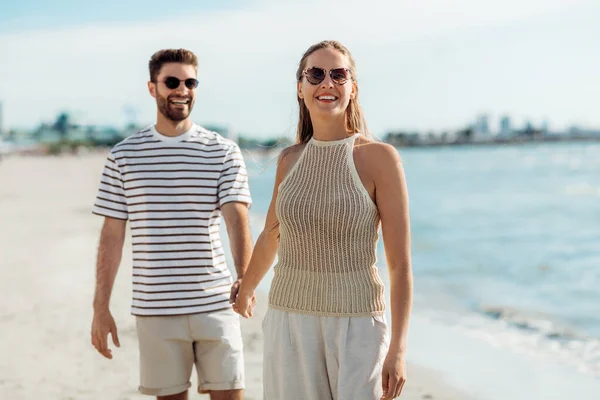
<point>175,103</point>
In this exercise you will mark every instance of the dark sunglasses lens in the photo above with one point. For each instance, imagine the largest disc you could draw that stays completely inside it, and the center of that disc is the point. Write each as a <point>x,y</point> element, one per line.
<point>315,75</point>
<point>191,83</point>
<point>340,75</point>
<point>172,82</point>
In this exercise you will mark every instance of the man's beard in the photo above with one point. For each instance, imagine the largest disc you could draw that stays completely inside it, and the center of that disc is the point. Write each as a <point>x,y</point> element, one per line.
<point>170,112</point>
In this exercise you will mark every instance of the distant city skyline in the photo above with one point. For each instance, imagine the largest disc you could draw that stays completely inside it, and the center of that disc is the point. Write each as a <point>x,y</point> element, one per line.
<point>434,66</point>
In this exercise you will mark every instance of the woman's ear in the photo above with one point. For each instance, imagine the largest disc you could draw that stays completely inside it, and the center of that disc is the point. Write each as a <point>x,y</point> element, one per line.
<point>354,90</point>
<point>300,94</point>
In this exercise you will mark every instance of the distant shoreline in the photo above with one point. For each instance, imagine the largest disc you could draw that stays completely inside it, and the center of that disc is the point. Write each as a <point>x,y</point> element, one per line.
<point>74,147</point>
<point>493,141</point>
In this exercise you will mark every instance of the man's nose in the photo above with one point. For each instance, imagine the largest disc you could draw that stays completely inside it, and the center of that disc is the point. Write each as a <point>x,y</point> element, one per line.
<point>182,89</point>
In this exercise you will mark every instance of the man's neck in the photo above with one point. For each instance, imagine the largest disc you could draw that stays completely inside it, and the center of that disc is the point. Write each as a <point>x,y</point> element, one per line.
<point>170,128</point>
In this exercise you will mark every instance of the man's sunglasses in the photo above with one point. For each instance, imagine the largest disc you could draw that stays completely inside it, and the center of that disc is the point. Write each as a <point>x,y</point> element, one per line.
<point>316,75</point>
<point>173,83</point>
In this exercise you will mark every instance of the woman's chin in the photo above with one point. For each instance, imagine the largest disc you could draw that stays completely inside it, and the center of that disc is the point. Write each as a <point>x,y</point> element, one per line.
<point>327,113</point>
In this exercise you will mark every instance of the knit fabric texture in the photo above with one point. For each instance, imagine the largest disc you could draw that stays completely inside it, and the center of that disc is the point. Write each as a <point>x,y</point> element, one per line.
<point>328,228</point>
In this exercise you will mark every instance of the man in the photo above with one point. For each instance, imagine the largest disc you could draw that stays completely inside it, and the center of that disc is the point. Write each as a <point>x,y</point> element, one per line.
<point>172,182</point>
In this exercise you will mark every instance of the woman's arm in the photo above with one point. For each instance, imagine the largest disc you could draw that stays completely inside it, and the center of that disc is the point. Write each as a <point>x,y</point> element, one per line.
<point>266,245</point>
<point>392,202</point>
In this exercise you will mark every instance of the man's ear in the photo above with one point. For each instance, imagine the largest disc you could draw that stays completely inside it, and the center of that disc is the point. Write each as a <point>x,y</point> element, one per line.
<point>152,88</point>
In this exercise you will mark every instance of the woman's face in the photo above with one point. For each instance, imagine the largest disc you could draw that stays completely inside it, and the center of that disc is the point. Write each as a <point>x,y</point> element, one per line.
<point>328,98</point>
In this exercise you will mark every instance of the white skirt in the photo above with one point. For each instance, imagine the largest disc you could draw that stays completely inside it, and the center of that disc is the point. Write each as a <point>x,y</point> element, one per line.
<point>309,357</point>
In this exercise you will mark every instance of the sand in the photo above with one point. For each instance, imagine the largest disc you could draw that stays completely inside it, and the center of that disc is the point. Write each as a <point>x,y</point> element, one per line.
<point>48,240</point>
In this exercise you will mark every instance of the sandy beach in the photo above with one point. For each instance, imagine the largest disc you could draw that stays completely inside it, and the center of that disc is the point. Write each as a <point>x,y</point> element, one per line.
<point>48,245</point>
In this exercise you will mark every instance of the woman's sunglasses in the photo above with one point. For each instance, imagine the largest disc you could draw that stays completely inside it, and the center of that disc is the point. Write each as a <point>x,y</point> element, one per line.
<point>316,75</point>
<point>173,83</point>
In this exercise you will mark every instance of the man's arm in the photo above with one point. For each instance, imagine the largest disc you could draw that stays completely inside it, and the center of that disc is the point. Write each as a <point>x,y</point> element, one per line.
<point>235,215</point>
<point>110,250</point>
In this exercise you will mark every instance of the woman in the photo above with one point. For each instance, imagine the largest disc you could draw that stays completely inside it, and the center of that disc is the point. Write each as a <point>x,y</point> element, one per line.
<point>325,330</point>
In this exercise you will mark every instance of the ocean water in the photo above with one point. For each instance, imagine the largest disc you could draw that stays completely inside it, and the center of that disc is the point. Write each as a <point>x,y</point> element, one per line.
<point>506,252</point>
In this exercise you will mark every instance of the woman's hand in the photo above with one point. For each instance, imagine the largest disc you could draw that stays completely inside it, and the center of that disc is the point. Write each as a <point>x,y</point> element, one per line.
<point>393,375</point>
<point>244,302</point>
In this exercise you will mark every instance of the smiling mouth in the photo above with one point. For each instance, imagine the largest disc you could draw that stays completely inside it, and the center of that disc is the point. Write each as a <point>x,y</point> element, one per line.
<point>327,98</point>
<point>180,102</point>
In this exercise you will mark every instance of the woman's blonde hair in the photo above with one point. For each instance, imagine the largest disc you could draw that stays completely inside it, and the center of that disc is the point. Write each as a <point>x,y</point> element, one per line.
<point>355,119</point>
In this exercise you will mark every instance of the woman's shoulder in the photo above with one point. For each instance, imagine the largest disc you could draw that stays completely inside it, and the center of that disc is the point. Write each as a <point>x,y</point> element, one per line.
<point>375,154</point>
<point>291,153</point>
<point>291,150</point>
<point>288,158</point>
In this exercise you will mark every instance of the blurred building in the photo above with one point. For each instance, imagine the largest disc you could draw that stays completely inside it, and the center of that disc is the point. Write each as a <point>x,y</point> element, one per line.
<point>505,125</point>
<point>478,131</point>
<point>529,128</point>
<point>482,124</point>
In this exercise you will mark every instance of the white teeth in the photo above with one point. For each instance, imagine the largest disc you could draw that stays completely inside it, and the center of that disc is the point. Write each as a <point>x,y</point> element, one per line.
<point>326,97</point>
<point>180,101</point>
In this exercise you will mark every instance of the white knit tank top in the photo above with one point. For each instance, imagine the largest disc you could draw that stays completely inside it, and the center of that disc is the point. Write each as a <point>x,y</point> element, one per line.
<point>328,228</point>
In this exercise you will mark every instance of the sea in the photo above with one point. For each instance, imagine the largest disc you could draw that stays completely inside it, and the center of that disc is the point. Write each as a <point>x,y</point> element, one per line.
<point>506,263</point>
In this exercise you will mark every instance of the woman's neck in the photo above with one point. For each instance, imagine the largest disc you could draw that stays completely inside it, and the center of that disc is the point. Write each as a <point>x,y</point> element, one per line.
<point>330,129</point>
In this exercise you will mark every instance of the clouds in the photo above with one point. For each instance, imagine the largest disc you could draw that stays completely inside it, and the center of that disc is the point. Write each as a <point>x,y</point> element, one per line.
<point>419,62</point>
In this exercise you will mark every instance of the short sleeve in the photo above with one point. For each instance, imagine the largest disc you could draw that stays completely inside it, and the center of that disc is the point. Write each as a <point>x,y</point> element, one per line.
<point>111,200</point>
<point>233,181</point>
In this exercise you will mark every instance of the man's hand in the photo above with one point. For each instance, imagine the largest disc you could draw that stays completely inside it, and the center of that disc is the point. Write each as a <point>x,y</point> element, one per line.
<point>393,375</point>
<point>235,288</point>
<point>103,324</point>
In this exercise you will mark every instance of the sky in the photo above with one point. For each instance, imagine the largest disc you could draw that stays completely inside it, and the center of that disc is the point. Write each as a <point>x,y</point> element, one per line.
<point>432,65</point>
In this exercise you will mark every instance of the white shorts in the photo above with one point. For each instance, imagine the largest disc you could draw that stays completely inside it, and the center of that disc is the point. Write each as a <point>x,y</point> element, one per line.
<point>171,345</point>
<point>309,357</point>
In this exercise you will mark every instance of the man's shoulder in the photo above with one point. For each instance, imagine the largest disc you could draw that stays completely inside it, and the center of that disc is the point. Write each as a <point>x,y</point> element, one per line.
<point>212,138</point>
<point>133,139</point>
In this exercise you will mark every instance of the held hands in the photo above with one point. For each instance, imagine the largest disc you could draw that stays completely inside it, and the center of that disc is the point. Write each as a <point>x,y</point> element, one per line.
<point>242,300</point>
<point>393,375</point>
<point>103,324</point>
<point>235,288</point>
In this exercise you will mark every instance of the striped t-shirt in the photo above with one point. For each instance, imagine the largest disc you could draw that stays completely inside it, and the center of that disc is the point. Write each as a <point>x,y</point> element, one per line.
<point>171,190</point>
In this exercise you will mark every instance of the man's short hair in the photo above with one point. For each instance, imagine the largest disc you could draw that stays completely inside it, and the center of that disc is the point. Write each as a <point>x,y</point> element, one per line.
<point>165,56</point>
